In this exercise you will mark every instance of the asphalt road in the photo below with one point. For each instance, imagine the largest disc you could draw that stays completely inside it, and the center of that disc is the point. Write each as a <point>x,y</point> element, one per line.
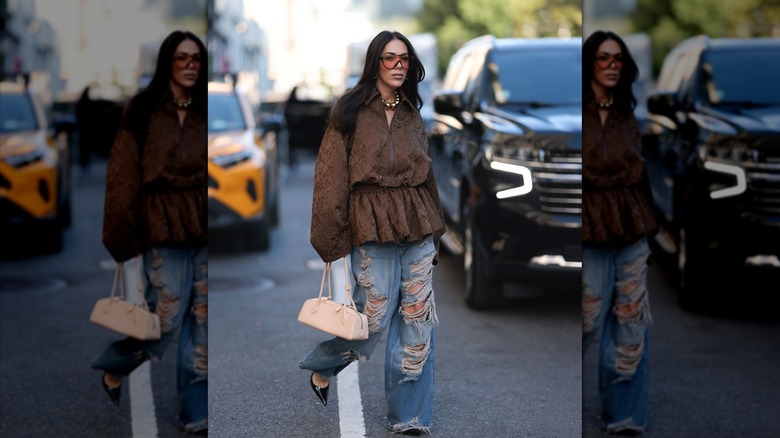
<point>712,374</point>
<point>47,387</point>
<point>515,372</point>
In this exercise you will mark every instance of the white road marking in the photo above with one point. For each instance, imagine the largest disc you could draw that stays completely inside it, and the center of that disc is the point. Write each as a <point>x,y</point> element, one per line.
<point>143,419</point>
<point>348,384</point>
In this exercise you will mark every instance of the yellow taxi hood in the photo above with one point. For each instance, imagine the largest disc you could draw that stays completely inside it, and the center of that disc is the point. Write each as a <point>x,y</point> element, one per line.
<point>21,142</point>
<point>229,143</point>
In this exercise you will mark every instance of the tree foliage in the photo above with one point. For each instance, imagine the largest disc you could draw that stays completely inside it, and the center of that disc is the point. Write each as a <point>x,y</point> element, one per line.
<point>668,22</point>
<point>454,22</point>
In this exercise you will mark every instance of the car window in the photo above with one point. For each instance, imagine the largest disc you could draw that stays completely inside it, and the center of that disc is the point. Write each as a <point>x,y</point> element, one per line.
<point>473,69</point>
<point>225,113</point>
<point>17,113</point>
<point>672,72</point>
<point>545,77</point>
<point>731,83</point>
<point>452,70</point>
<point>461,73</point>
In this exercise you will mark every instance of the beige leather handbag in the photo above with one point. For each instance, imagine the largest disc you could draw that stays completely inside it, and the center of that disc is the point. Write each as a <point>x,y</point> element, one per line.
<point>131,319</point>
<point>338,319</point>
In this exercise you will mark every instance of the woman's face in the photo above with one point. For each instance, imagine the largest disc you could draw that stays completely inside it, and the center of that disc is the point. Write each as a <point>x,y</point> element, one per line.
<point>393,65</point>
<point>608,64</point>
<point>186,64</point>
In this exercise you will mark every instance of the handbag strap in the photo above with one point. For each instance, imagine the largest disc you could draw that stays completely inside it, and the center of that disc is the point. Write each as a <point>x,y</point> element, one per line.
<point>119,278</point>
<point>325,273</point>
<point>140,299</point>
<point>348,300</point>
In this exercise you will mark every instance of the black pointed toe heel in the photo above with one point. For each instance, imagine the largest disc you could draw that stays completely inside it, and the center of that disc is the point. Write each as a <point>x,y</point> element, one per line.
<point>113,393</point>
<point>322,393</point>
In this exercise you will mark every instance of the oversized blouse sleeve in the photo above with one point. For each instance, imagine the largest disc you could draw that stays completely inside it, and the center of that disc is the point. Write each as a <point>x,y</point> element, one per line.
<point>433,190</point>
<point>331,234</point>
<point>122,229</point>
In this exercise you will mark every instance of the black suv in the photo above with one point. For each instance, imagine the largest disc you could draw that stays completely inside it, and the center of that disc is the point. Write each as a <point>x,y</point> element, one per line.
<point>506,145</point>
<point>712,145</point>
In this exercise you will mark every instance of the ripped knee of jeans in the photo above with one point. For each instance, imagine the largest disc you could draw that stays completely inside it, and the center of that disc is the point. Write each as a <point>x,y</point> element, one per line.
<point>633,305</point>
<point>628,358</point>
<point>167,309</point>
<point>422,310</point>
<point>352,356</point>
<point>201,361</point>
<point>414,358</point>
<point>376,309</point>
<point>202,285</point>
<point>591,305</point>
<point>201,313</point>
<point>157,259</point>
<point>376,304</point>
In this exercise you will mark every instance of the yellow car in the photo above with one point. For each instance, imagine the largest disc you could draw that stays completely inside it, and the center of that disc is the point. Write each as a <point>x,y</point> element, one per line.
<point>34,170</point>
<point>242,169</point>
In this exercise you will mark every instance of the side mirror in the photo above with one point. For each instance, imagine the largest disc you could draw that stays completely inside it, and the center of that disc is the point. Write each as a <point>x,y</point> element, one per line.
<point>448,102</point>
<point>663,103</point>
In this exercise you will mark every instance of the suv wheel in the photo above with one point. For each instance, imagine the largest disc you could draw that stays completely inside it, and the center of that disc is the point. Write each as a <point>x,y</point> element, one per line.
<point>694,288</point>
<point>480,292</point>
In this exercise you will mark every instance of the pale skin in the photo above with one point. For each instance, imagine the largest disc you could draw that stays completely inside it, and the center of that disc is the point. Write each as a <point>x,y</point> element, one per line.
<point>604,79</point>
<point>388,80</point>
<point>182,79</point>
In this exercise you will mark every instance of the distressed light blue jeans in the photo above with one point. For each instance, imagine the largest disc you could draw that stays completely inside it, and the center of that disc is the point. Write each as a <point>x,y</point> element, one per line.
<point>176,290</point>
<point>615,299</point>
<point>394,288</point>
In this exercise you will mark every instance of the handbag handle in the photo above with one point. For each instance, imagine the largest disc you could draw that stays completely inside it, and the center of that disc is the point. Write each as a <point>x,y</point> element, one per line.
<point>348,300</point>
<point>119,278</point>
<point>347,287</point>
<point>140,298</point>
<point>325,273</point>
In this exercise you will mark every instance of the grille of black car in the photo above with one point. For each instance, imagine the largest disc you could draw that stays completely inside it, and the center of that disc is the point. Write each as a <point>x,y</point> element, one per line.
<point>763,180</point>
<point>558,179</point>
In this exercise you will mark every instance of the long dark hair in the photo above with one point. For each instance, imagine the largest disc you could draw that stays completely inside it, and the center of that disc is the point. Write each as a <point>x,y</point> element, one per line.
<point>344,113</point>
<point>622,92</point>
<point>141,105</point>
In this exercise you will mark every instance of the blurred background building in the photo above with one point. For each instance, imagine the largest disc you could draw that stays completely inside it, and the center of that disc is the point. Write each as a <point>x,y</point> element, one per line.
<point>67,45</point>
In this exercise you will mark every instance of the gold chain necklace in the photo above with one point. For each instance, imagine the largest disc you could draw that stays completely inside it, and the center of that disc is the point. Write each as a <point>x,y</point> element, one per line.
<point>391,105</point>
<point>606,104</point>
<point>183,105</point>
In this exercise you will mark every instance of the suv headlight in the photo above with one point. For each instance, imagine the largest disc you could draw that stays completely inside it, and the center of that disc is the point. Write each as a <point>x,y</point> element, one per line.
<point>725,159</point>
<point>507,157</point>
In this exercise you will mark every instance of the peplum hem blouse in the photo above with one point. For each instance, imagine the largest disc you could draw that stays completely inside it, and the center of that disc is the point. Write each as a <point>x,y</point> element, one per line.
<point>379,188</point>
<point>617,202</point>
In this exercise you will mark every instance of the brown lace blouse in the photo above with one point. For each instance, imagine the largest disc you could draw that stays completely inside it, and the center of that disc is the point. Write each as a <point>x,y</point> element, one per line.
<point>164,199</point>
<point>378,189</point>
<point>617,202</point>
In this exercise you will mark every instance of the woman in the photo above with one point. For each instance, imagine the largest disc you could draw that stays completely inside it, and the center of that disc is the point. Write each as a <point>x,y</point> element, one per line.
<point>618,216</point>
<point>375,199</point>
<point>156,205</point>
